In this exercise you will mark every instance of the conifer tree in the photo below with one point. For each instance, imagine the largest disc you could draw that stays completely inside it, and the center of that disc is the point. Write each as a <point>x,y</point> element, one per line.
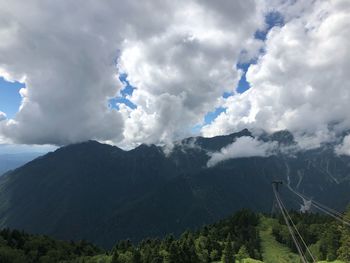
<point>172,256</point>
<point>228,254</point>
<point>136,258</point>
<point>191,248</point>
<point>344,249</point>
<point>242,253</point>
<point>115,257</point>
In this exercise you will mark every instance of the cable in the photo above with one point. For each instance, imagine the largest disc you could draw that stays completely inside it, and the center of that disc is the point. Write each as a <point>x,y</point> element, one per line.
<point>332,215</point>
<point>297,231</point>
<point>329,211</point>
<point>302,256</point>
<point>300,251</point>
<point>314,201</point>
<point>339,216</point>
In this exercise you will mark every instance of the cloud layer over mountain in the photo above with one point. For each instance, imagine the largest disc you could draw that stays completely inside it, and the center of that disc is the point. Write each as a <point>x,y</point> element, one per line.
<point>243,147</point>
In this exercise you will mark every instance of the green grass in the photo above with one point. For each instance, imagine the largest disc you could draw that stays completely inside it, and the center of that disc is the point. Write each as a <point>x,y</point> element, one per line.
<point>251,260</point>
<point>273,251</point>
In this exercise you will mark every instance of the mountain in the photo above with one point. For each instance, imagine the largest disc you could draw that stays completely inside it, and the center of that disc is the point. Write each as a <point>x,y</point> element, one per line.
<point>12,161</point>
<point>101,193</point>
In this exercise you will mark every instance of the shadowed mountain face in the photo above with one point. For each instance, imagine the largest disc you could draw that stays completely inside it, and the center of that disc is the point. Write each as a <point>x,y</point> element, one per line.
<point>12,161</point>
<point>102,193</point>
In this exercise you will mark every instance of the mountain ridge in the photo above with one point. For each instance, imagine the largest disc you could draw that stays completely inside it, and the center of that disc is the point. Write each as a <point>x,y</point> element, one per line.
<point>101,193</point>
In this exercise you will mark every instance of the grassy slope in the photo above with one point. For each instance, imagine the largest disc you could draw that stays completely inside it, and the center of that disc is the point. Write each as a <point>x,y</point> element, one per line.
<point>273,251</point>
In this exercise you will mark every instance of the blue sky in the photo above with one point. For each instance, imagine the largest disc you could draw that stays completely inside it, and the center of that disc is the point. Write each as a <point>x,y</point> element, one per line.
<point>124,93</point>
<point>10,98</point>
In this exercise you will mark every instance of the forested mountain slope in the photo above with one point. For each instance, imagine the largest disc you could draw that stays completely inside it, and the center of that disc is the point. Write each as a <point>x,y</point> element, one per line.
<point>101,193</point>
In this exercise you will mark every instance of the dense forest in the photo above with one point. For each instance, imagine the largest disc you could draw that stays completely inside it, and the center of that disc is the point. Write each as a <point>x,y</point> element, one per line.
<point>327,239</point>
<point>19,247</point>
<point>235,239</point>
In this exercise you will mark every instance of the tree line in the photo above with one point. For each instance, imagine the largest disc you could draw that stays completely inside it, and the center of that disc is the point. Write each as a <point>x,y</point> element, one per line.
<point>228,241</point>
<point>232,239</point>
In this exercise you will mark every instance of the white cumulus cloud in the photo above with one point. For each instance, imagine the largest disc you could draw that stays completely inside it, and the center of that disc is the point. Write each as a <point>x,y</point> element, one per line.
<point>181,73</point>
<point>301,82</point>
<point>180,56</point>
<point>243,147</point>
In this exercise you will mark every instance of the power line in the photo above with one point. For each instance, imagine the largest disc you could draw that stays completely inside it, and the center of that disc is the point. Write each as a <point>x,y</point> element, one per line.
<point>332,215</point>
<point>300,251</point>
<point>329,211</point>
<point>297,231</point>
<point>290,224</point>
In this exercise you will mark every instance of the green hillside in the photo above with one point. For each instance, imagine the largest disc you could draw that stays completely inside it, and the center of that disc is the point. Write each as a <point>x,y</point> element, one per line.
<point>245,237</point>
